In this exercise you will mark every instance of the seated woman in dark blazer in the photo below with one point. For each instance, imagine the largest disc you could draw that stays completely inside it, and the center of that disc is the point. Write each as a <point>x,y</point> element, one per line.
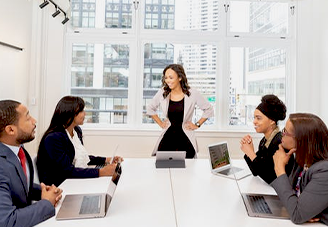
<point>61,153</point>
<point>305,192</point>
<point>266,117</point>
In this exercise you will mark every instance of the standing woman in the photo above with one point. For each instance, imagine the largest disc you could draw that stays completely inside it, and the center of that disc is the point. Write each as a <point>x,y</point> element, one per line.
<point>305,192</point>
<point>266,117</point>
<point>177,101</point>
<point>61,152</point>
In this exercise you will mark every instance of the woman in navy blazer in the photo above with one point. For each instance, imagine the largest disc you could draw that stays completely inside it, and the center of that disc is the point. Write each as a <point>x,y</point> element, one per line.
<point>305,192</point>
<point>56,151</point>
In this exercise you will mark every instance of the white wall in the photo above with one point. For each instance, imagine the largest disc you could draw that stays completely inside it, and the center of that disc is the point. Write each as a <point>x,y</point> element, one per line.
<point>141,143</point>
<point>312,58</point>
<point>39,74</point>
<point>321,54</point>
<point>33,76</point>
<point>15,29</point>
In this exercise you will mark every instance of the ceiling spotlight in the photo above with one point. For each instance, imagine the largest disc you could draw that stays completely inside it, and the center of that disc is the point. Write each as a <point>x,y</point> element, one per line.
<point>56,13</point>
<point>44,4</point>
<point>65,20</point>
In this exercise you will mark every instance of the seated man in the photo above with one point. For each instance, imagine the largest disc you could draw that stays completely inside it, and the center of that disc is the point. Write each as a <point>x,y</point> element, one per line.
<point>17,189</point>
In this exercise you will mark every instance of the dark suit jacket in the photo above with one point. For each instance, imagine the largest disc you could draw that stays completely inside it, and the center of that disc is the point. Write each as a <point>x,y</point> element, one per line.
<point>55,159</point>
<point>313,201</point>
<point>263,164</point>
<point>15,197</point>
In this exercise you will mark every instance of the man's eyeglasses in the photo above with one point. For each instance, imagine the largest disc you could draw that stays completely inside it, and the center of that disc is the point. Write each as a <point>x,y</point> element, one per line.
<point>285,133</point>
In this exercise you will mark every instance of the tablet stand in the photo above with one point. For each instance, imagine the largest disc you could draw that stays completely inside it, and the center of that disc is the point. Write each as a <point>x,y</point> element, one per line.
<point>170,164</point>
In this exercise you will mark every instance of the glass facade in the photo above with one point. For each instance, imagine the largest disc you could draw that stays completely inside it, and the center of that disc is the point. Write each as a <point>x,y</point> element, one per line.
<point>105,92</point>
<point>100,69</point>
<point>259,17</point>
<point>83,13</point>
<point>250,80</point>
<point>118,14</point>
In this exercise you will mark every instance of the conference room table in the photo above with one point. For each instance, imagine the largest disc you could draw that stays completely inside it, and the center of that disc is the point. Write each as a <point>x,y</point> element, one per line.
<point>186,197</point>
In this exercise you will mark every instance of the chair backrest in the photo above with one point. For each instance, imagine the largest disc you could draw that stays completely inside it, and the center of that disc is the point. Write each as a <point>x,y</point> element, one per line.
<point>36,174</point>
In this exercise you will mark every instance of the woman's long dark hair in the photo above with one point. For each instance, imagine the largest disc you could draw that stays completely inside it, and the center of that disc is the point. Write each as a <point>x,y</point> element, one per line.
<point>66,110</point>
<point>311,136</point>
<point>181,75</point>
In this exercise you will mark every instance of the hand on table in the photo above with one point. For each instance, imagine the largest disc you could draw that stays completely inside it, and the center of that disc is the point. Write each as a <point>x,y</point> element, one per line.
<point>51,193</point>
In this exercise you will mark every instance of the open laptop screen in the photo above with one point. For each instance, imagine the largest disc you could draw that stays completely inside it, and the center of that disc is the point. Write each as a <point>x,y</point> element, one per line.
<point>219,155</point>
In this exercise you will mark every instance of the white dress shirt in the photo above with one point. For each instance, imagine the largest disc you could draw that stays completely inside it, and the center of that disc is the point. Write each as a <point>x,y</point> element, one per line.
<point>81,158</point>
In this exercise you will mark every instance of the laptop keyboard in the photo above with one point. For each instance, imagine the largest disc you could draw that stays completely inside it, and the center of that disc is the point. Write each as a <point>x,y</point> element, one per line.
<point>259,205</point>
<point>99,166</point>
<point>90,205</point>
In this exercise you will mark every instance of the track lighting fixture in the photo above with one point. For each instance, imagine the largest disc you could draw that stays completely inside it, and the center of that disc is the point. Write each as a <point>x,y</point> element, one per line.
<point>43,4</point>
<point>65,20</point>
<point>56,12</point>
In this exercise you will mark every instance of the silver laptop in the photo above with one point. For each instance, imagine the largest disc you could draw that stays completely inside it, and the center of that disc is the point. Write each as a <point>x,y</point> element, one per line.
<point>221,163</point>
<point>264,206</point>
<point>170,159</point>
<point>89,205</point>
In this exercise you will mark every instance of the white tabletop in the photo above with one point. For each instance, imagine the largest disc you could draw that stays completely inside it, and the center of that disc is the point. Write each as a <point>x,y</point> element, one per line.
<point>143,198</point>
<point>204,199</point>
<point>189,197</point>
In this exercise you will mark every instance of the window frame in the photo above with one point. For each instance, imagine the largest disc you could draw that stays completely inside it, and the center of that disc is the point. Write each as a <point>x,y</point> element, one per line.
<point>137,36</point>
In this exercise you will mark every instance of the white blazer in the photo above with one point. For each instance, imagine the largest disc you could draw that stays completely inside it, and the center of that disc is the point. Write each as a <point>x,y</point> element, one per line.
<point>190,102</point>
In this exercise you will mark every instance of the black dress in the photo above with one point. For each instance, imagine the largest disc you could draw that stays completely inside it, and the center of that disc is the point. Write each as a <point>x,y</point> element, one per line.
<point>174,138</point>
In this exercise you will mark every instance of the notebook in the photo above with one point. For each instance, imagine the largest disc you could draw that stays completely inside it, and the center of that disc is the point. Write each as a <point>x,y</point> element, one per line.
<point>170,159</point>
<point>89,205</point>
<point>221,164</point>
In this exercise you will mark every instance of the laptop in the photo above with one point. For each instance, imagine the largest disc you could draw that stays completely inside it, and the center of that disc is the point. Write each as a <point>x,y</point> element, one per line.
<point>79,206</point>
<point>99,166</point>
<point>263,206</point>
<point>221,164</point>
<point>170,159</point>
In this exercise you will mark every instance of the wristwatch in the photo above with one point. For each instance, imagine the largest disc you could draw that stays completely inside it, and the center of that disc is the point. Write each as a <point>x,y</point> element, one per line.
<point>197,124</point>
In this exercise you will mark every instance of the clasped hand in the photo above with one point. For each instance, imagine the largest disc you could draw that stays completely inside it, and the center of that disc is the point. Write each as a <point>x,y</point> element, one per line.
<point>51,193</point>
<point>246,145</point>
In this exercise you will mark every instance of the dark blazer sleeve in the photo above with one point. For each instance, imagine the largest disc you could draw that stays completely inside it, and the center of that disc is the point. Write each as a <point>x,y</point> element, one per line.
<point>96,160</point>
<point>313,200</point>
<point>55,160</point>
<point>255,165</point>
<point>263,164</point>
<point>251,165</point>
<point>35,192</point>
<point>15,209</point>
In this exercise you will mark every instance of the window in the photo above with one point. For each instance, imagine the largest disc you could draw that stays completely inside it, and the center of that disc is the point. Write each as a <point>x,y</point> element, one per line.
<point>83,13</point>
<point>254,73</point>
<point>82,65</point>
<point>233,52</point>
<point>259,17</point>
